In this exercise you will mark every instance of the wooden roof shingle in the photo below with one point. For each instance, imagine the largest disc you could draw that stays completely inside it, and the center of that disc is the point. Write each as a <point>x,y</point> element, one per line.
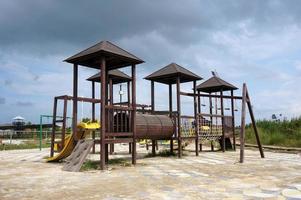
<point>115,56</point>
<point>215,84</point>
<point>116,75</point>
<point>170,73</point>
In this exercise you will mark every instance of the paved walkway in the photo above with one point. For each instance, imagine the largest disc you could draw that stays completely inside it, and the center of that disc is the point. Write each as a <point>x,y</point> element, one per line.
<point>212,175</point>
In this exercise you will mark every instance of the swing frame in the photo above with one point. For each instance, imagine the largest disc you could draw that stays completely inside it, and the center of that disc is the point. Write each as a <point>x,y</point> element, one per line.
<point>245,103</point>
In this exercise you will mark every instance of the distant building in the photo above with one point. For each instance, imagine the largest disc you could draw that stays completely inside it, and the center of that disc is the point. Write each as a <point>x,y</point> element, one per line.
<point>18,123</point>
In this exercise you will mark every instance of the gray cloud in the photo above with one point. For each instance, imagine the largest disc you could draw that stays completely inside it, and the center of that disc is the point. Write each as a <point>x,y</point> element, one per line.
<point>8,82</point>
<point>56,26</point>
<point>24,103</point>
<point>239,39</point>
<point>2,100</point>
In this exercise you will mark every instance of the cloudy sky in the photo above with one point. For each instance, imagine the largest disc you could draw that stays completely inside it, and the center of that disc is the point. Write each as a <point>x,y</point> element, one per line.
<point>257,42</point>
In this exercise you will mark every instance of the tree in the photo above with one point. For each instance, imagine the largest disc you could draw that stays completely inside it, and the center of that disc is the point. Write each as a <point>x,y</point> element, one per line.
<point>86,120</point>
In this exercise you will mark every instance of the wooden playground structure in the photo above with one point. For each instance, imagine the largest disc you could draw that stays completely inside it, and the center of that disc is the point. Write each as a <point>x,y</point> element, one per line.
<point>127,122</point>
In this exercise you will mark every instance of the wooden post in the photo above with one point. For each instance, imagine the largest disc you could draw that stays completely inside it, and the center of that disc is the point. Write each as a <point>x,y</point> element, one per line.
<point>153,109</point>
<point>196,120</point>
<point>223,122</point>
<point>233,119</point>
<point>129,104</point>
<point>103,113</point>
<point>199,112</point>
<point>254,123</point>
<point>179,118</point>
<point>199,103</point>
<point>152,96</point>
<point>134,113</point>
<point>129,93</point>
<point>106,115</point>
<point>64,122</point>
<point>170,115</point>
<point>153,147</point>
<point>243,123</point>
<point>74,109</point>
<point>110,113</point>
<point>53,127</point>
<point>93,114</point>
<point>211,119</point>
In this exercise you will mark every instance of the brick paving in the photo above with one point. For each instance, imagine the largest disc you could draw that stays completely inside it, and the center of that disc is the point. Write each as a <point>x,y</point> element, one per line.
<point>212,175</point>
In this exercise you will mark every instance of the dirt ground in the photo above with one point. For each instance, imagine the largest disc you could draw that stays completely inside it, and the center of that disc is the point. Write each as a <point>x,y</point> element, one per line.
<point>212,175</point>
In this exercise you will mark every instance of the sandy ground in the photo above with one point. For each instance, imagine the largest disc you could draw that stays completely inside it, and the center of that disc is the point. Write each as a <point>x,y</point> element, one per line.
<point>212,175</point>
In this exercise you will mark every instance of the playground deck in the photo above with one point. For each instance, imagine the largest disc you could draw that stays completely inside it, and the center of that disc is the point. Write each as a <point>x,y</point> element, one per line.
<point>212,175</point>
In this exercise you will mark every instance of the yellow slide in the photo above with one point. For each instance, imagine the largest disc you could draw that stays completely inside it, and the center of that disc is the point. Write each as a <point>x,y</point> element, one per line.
<point>57,146</point>
<point>83,130</point>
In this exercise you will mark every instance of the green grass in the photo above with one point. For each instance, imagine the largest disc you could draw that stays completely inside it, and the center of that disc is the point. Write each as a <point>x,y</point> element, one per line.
<point>286,133</point>
<point>28,145</point>
<point>90,165</point>
<point>94,165</point>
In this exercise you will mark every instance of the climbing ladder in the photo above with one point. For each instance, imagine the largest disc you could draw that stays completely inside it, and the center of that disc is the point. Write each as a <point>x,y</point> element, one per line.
<point>59,119</point>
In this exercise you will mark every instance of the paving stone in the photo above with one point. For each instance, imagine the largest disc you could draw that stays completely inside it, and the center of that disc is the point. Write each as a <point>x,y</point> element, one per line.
<point>212,175</point>
<point>257,193</point>
<point>290,193</point>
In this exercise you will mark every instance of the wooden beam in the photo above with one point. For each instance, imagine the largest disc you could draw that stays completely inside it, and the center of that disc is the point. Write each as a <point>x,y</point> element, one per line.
<point>208,95</point>
<point>84,99</point>
<point>254,124</point>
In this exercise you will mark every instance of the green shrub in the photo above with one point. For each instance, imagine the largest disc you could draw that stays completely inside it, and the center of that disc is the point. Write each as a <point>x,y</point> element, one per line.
<point>285,133</point>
